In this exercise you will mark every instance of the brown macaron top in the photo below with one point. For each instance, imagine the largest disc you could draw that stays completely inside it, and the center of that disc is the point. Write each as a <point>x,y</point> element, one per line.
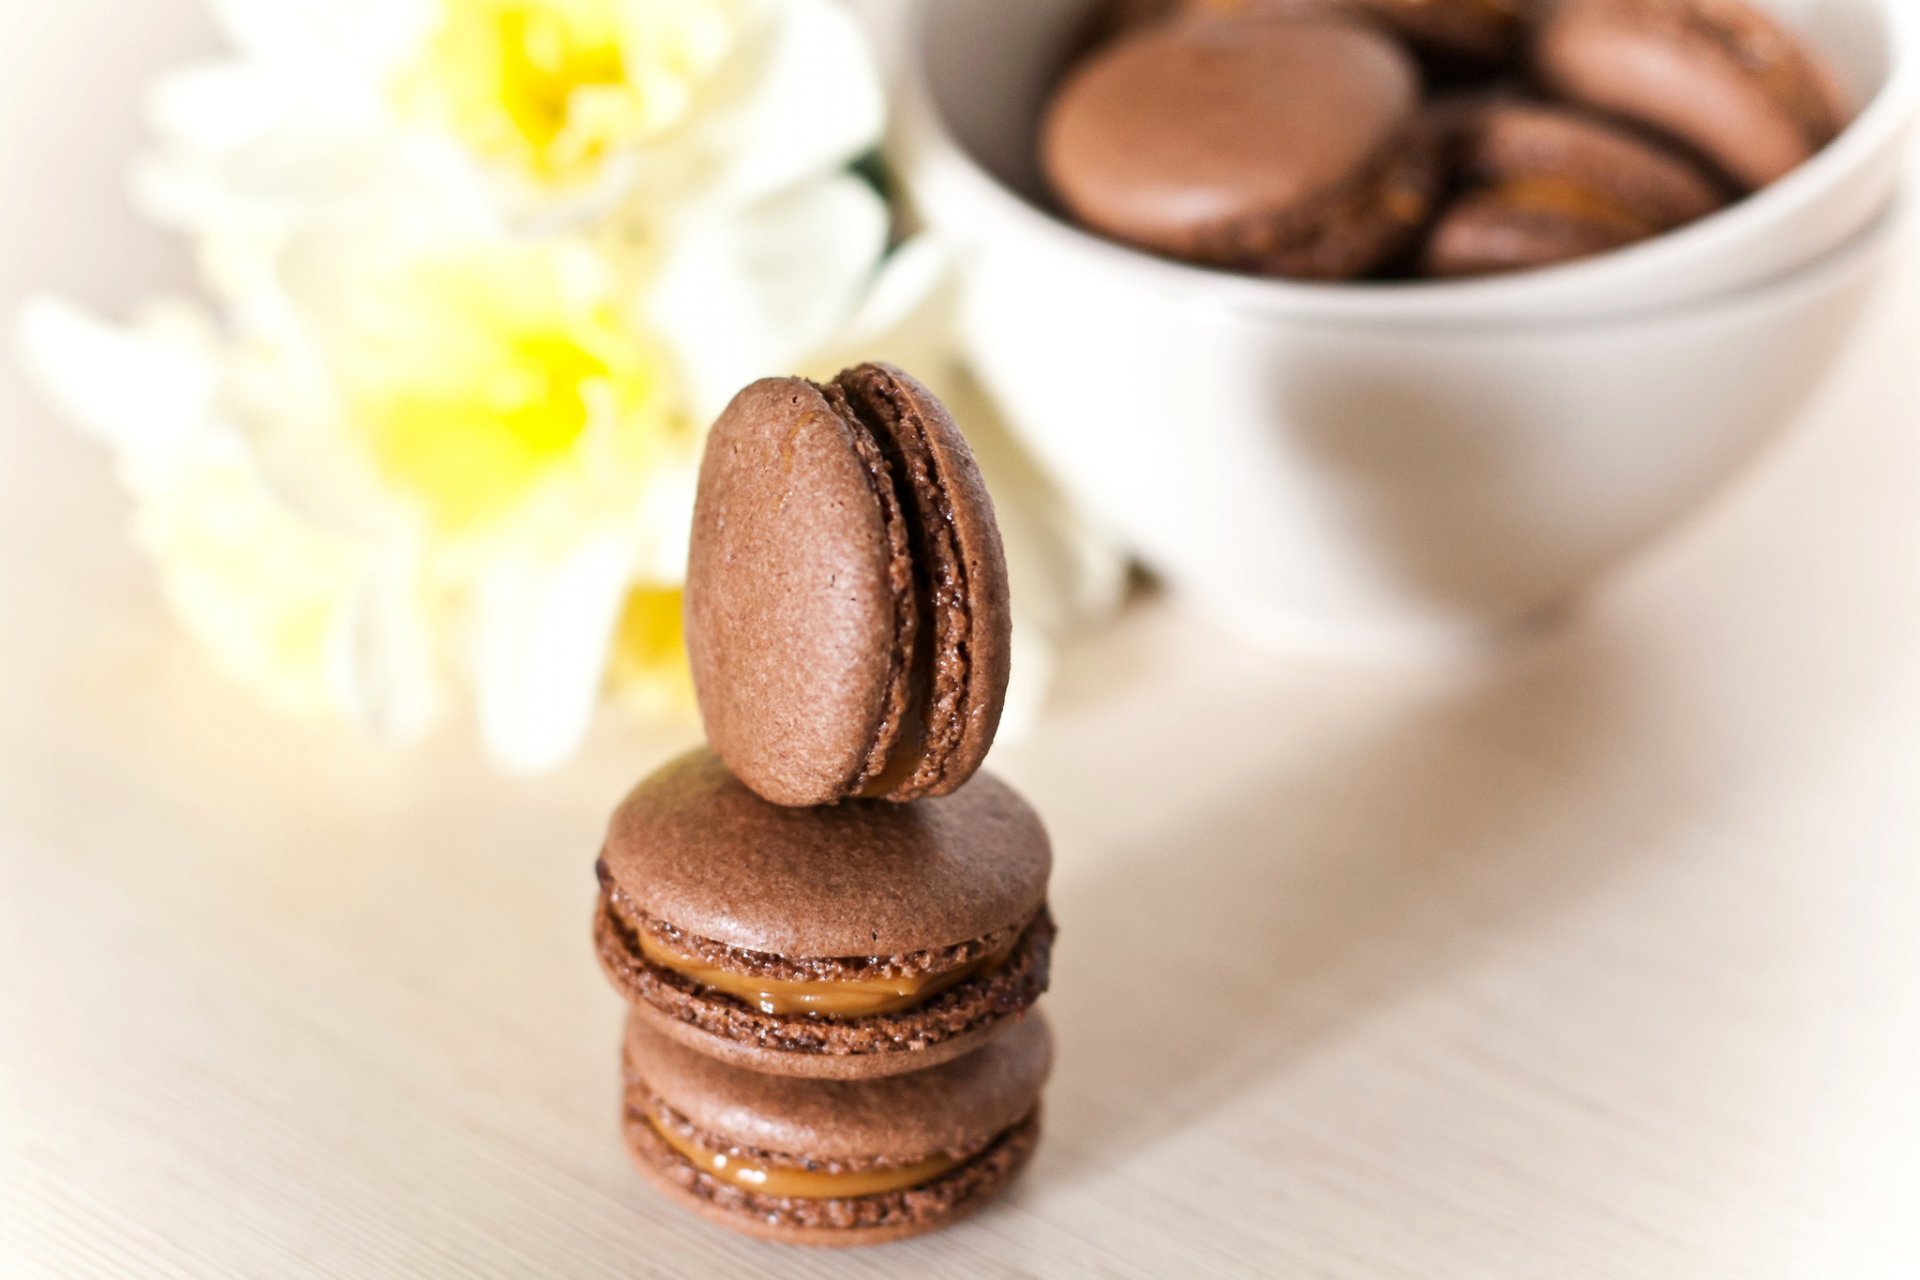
<point>1721,76</point>
<point>1542,184</point>
<point>847,613</point>
<point>1288,146</point>
<point>956,1107</point>
<point>695,849</point>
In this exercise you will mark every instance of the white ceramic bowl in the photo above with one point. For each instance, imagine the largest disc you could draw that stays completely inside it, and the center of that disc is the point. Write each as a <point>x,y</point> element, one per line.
<point>978,71</point>
<point>1386,466</point>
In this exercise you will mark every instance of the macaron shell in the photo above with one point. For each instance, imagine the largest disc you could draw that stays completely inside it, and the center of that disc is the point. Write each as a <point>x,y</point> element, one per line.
<point>1649,63</point>
<point>692,846</point>
<point>1502,140</point>
<point>749,1055</point>
<point>1355,231</point>
<point>1483,234</point>
<point>969,688</point>
<point>958,1105</point>
<point>1166,138</point>
<point>791,596</point>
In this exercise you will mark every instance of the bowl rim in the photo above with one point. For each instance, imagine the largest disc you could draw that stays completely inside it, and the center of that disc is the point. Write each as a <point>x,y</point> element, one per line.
<point>1524,298</point>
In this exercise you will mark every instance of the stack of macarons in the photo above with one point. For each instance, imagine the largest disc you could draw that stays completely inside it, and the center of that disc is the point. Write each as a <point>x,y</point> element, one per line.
<point>829,927</point>
<point>1349,139</point>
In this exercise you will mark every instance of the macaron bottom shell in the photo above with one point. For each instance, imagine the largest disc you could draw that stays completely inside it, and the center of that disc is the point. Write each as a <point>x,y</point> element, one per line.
<point>832,1222</point>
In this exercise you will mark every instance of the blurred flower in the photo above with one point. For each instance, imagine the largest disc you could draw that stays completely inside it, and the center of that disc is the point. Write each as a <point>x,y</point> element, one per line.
<point>484,270</point>
<point>462,458</point>
<point>553,89</point>
<point>281,602</point>
<point>546,112</point>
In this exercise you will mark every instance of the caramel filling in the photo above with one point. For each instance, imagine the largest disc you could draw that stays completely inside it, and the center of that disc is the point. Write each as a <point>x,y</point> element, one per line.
<point>828,998</point>
<point>1559,197</point>
<point>807,1184</point>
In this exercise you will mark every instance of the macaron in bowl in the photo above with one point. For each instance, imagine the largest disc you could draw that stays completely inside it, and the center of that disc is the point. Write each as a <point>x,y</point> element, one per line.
<point>847,941</point>
<point>1393,469</point>
<point>1724,76</point>
<point>1326,172</point>
<point>979,73</point>
<point>1548,184</point>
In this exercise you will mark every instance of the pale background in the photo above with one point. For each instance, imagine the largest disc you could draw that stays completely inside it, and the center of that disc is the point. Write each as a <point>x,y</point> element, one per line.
<point>1602,962</point>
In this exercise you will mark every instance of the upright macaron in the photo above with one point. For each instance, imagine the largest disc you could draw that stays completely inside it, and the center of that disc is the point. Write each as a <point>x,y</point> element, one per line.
<point>847,613</point>
<point>854,940</point>
<point>1721,76</point>
<point>1287,147</point>
<point>832,1162</point>
<point>1543,184</point>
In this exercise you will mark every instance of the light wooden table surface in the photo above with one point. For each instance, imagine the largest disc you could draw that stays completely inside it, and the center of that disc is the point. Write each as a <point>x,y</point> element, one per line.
<point>1605,962</point>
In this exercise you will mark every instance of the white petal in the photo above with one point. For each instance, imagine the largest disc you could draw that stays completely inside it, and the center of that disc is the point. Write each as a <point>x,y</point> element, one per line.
<point>664,517</point>
<point>216,105</point>
<point>384,675</point>
<point>370,34</point>
<point>1062,570</point>
<point>541,637</point>
<point>906,317</point>
<point>816,104</point>
<point>1035,656</point>
<point>755,295</point>
<point>144,393</point>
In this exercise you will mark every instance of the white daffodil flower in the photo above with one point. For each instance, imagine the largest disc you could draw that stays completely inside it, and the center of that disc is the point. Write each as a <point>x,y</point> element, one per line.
<point>550,113</point>
<point>285,606</point>
<point>484,269</point>
<point>458,458</point>
<point>483,272</point>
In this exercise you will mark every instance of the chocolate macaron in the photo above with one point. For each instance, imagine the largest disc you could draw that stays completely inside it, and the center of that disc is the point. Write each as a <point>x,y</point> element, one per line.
<point>847,613</point>
<point>855,940</point>
<point>1542,184</point>
<point>1280,146</point>
<point>1721,76</point>
<point>833,1162</point>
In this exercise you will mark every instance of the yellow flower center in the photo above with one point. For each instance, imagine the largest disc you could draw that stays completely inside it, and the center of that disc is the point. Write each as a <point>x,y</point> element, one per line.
<point>482,378</point>
<point>553,87</point>
<point>648,662</point>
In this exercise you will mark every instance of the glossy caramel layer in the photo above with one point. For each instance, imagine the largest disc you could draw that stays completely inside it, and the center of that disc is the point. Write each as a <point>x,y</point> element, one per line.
<point>809,1184</point>
<point>836,998</point>
<point>1561,197</point>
